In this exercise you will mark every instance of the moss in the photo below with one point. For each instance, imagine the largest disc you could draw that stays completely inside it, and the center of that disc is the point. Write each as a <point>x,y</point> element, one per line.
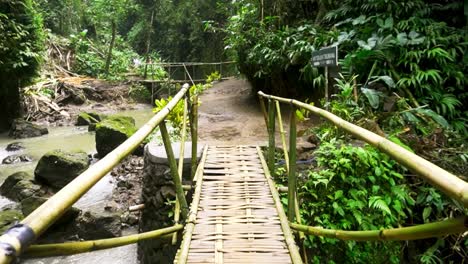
<point>57,168</point>
<point>112,132</point>
<point>8,218</point>
<point>88,118</point>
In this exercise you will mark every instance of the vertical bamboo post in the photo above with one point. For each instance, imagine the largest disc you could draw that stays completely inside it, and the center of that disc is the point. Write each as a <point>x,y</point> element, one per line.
<point>271,134</point>
<point>264,111</point>
<point>194,134</point>
<point>292,166</point>
<point>173,167</point>
<point>326,87</point>
<point>282,133</point>
<point>180,166</point>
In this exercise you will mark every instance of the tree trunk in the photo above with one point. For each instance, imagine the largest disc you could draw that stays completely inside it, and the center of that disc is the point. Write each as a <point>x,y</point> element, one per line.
<point>9,103</point>
<point>148,43</point>
<point>111,46</point>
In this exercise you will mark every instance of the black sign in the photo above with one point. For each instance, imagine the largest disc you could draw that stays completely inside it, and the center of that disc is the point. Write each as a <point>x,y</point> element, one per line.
<point>325,57</point>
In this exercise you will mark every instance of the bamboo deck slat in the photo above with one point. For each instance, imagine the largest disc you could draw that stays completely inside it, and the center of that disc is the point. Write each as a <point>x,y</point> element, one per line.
<point>236,219</point>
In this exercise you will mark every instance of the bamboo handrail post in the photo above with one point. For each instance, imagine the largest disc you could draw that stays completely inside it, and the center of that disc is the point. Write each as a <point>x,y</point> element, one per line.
<point>282,134</point>
<point>184,247</point>
<point>289,238</point>
<point>264,111</point>
<point>180,168</point>
<point>292,166</point>
<point>271,135</point>
<point>194,135</point>
<point>173,169</point>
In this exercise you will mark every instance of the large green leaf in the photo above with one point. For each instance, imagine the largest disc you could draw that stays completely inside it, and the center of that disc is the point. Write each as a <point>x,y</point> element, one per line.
<point>372,96</point>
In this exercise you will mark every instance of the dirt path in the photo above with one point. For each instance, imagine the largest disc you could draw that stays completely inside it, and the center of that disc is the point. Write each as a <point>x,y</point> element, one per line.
<point>229,114</point>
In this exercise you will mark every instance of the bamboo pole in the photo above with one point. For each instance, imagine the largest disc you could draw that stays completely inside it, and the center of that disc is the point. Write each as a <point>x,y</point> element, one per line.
<point>282,133</point>
<point>190,225</point>
<point>46,214</point>
<point>288,236</point>
<point>264,111</point>
<point>173,167</point>
<point>271,135</point>
<point>443,180</point>
<point>286,158</point>
<point>292,166</point>
<point>437,229</point>
<point>71,248</point>
<point>181,166</point>
<point>194,135</point>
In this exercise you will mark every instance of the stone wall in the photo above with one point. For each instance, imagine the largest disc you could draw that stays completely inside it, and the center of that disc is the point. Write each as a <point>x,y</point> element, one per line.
<point>158,189</point>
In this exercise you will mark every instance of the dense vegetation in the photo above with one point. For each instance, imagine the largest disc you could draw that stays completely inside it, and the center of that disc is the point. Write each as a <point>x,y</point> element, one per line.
<point>402,75</point>
<point>21,43</point>
<point>403,72</point>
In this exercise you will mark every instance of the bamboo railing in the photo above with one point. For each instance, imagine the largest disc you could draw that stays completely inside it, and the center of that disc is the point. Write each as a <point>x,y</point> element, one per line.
<point>443,180</point>
<point>18,238</point>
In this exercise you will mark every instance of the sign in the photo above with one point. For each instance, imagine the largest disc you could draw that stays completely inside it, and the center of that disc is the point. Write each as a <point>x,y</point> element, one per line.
<point>325,57</point>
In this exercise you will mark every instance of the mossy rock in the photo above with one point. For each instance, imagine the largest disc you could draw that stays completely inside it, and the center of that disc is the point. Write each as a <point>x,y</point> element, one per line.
<point>112,132</point>
<point>58,167</point>
<point>88,118</point>
<point>9,218</point>
<point>12,180</point>
<point>19,186</point>
<point>25,129</point>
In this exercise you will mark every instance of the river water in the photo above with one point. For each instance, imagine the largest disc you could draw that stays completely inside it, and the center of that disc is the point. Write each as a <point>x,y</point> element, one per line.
<point>72,138</point>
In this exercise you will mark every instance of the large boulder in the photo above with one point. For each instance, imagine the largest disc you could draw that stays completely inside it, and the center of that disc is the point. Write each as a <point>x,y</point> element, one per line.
<point>57,168</point>
<point>24,129</point>
<point>88,118</point>
<point>112,132</point>
<point>9,218</point>
<point>94,225</point>
<point>19,186</point>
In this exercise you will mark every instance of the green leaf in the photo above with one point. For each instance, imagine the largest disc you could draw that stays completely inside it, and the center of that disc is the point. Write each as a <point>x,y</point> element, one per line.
<point>386,79</point>
<point>372,96</point>
<point>426,213</point>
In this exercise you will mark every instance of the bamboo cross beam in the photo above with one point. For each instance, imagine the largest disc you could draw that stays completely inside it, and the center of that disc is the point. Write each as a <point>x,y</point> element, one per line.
<point>437,229</point>
<point>441,179</point>
<point>71,248</point>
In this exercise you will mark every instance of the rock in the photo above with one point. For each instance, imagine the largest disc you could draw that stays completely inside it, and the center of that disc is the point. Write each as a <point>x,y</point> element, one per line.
<point>8,218</point>
<point>19,186</point>
<point>305,146</point>
<point>15,146</point>
<point>85,119</point>
<point>57,168</point>
<point>24,129</point>
<point>112,132</point>
<point>14,159</point>
<point>313,139</point>
<point>28,205</point>
<point>129,218</point>
<point>93,225</point>
<point>12,180</point>
<point>24,189</point>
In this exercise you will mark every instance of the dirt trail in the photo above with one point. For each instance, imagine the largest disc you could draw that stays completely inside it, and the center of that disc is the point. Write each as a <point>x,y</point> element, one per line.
<point>230,115</point>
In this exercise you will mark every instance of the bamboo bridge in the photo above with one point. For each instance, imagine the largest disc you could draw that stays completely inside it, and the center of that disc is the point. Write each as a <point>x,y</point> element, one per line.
<point>235,215</point>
